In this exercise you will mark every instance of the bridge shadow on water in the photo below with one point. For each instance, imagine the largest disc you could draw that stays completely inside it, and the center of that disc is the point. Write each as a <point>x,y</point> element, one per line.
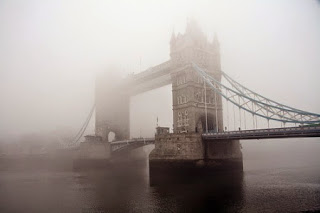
<point>191,192</point>
<point>125,185</point>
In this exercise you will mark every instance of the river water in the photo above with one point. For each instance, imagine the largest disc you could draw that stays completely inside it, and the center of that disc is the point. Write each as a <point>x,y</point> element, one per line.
<point>279,176</point>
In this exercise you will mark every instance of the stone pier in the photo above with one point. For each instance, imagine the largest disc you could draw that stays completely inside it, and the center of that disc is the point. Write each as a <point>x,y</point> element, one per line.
<point>93,152</point>
<point>188,152</point>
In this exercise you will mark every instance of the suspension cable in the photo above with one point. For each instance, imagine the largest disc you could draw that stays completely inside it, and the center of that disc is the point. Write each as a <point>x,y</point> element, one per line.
<point>228,115</point>
<point>217,121</point>
<point>239,113</point>
<point>234,119</point>
<point>252,117</point>
<point>79,135</point>
<point>244,116</point>
<point>263,103</point>
<point>205,105</point>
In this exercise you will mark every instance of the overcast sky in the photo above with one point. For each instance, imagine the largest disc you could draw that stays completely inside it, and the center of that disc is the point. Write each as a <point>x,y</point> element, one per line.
<point>50,52</point>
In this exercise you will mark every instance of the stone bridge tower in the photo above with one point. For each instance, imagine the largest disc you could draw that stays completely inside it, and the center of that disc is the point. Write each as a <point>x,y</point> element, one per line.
<point>188,89</point>
<point>185,148</point>
<point>112,107</point>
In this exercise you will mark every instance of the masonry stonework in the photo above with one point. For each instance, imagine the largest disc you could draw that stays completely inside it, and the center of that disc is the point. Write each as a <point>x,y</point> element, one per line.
<point>190,148</point>
<point>94,150</point>
<point>190,95</point>
<point>178,147</point>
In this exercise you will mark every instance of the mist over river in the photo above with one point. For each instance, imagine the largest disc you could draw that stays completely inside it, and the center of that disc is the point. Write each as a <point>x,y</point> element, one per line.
<point>279,176</point>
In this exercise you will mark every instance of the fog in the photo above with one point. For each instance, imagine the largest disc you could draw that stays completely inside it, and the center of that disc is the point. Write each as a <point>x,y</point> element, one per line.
<point>53,54</point>
<point>52,51</point>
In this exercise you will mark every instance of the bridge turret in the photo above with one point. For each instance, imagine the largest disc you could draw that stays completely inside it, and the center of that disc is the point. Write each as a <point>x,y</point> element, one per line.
<point>215,41</point>
<point>215,47</point>
<point>173,38</point>
<point>193,46</point>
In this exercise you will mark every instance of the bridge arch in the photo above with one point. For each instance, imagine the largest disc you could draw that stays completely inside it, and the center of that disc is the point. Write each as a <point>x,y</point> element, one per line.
<point>201,123</point>
<point>111,136</point>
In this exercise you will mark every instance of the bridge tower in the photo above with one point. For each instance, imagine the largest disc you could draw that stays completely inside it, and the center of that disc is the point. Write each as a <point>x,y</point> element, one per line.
<point>196,108</point>
<point>112,107</point>
<point>188,90</point>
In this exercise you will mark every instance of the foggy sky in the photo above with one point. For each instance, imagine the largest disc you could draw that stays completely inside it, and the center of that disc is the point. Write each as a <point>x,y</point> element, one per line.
<point>50,52</point>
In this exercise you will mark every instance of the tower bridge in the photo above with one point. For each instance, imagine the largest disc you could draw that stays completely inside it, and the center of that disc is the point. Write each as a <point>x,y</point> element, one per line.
<point>194,71</point>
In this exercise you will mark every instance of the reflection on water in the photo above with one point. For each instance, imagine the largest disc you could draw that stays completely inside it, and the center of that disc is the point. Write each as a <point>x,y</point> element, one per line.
<point>124,186</point>
<point>222,192</point>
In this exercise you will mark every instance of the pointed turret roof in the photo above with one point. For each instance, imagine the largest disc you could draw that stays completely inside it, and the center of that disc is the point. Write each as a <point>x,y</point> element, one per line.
<point>194,31</point>
<point>215,41</point>
<point>173,37</point>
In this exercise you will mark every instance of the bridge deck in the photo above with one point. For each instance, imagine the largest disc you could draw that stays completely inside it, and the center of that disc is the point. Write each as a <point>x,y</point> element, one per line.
<point>117,146</point>
<point>290,132</point>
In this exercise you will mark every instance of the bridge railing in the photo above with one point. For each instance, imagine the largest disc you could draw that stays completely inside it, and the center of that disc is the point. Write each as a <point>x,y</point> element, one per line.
<point>312,131</point>
<point>134,140</point>
<point>286,129</point>
<point>121,145</point>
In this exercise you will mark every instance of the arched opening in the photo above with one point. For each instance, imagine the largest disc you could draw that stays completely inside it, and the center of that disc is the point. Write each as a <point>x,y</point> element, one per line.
<point>111,136</point>
<point>212,127</point>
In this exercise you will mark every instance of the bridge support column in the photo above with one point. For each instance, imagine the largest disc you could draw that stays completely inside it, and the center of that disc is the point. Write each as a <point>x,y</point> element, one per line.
<point>188,153</point>
<point>223,154</point>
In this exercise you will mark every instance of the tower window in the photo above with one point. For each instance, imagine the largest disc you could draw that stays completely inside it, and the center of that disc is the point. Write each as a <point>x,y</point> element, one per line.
<point>182,99</point>
<point>179,119</point>
<point>181,80</point>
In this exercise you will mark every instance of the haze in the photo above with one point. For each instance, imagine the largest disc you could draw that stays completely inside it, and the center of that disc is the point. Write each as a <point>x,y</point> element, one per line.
<point>51,52</point>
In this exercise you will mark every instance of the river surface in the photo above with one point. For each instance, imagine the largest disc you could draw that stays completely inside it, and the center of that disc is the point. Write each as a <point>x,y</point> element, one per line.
<point>279,176</point>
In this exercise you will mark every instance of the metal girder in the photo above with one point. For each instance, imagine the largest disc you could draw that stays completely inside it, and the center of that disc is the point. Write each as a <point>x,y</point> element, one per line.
<point>256,104</point>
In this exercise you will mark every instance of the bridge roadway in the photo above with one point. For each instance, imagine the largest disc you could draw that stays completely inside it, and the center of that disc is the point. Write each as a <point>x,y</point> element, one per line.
<point>288,132</point>
<point>118,146</point>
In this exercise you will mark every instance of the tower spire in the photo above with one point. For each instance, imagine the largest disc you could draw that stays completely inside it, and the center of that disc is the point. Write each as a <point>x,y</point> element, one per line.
<point>173,37</point>
<point>215,39</point>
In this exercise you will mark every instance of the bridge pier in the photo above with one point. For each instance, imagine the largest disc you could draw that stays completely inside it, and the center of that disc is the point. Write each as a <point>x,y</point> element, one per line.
<point>223,155</point>
<point>184,152</point>
<point>95,150</point>
<point>93,153</point>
